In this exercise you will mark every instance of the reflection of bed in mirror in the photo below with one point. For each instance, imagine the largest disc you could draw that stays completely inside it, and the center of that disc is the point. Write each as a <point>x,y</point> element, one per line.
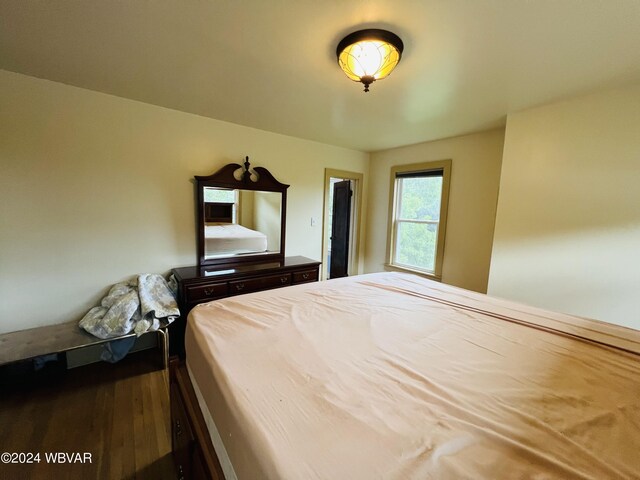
<point>232,239</point>
<point>240,222</point>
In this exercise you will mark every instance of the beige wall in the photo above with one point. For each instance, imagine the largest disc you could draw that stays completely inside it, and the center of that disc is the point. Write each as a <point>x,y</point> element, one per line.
<point>475,176</point>
<point>267,213</point>
<point>568,222</point>
<point>95,188</point>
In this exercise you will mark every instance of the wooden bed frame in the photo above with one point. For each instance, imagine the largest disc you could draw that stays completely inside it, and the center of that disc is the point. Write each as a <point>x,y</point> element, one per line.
<point>193,452</point>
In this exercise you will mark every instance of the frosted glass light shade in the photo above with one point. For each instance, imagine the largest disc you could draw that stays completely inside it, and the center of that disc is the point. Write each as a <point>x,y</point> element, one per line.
<point>369,55</point>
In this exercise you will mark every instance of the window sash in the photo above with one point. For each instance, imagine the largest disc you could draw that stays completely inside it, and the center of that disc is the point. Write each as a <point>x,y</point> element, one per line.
<point>409,220</point>
<point>398,221</point>
<point>396,247</point>
<point>436,172</point>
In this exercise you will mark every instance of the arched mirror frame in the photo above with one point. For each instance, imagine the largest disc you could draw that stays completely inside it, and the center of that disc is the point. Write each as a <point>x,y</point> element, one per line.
<point>226,178</point>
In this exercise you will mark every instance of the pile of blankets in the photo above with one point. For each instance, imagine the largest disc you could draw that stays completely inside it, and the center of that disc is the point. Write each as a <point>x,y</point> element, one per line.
<point>143,304</point>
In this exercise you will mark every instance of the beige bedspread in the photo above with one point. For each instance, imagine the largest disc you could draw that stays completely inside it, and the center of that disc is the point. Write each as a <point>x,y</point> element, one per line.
<point>391,376</point>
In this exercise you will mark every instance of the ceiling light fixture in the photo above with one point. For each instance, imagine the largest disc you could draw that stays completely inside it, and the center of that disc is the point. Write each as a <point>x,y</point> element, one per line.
<point>369,55</point>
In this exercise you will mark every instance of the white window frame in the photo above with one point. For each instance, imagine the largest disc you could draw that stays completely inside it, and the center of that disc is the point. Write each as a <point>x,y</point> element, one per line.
<point>395,195</point>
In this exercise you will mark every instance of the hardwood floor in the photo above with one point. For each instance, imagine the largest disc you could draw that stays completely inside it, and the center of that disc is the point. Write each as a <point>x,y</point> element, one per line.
<point>117,413</point>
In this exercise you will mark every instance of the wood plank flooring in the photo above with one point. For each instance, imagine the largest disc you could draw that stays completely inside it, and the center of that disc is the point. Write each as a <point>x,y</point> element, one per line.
<point>117,413</point>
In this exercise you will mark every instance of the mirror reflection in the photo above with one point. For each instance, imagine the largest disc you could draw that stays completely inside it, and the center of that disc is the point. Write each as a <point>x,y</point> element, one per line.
<point>241,222</point>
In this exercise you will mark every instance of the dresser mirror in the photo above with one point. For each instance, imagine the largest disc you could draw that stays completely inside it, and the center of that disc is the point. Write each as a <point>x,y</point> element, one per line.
<point>241,215</point>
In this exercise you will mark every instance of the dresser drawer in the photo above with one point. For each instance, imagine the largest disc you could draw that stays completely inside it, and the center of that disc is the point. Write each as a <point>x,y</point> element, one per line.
<point>205,292</point>
<point>262,283</point>
<point>305,276</point>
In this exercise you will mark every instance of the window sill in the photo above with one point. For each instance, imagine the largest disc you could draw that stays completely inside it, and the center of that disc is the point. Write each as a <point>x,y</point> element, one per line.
<point>395,268</point>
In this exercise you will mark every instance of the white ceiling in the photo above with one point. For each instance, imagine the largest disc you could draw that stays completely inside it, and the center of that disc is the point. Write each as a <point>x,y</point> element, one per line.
<point>270,64</point>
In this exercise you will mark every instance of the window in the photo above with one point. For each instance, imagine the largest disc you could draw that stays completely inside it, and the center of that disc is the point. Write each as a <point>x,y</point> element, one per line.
<point>221,204</point>
<point>418,208</point>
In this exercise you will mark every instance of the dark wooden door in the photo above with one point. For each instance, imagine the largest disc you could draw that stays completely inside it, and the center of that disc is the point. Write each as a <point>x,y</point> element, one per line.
<point>340,229</point>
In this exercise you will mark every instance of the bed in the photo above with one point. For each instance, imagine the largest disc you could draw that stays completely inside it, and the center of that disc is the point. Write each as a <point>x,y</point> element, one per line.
<point>392,376</point>
<point>231,238</point>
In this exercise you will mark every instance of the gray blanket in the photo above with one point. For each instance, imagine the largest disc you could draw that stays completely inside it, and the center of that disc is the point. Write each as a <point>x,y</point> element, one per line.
<point>143,304</point>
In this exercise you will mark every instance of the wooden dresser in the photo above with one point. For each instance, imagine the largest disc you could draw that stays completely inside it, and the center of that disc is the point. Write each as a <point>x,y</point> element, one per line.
<point>204,284</point>
<point>235,204</point>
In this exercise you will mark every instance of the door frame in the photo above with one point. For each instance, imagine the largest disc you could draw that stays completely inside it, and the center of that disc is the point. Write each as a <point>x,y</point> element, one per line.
<point>357,180</point>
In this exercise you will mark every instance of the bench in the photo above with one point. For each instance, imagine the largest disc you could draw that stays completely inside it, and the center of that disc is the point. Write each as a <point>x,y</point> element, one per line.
<point>34,342</point>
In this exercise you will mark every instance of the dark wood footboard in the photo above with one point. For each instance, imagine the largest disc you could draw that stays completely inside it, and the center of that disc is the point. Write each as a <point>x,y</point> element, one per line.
<point>193,452</point>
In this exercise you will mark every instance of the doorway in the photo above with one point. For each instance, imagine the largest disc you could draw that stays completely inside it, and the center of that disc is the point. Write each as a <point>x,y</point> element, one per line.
<point>341,225</point>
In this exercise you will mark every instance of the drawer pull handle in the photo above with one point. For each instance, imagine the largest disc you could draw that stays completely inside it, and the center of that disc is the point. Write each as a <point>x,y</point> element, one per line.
<point>208,291</point>
<point>239,286</point>
<point>305,276</point>
<point>180,473</point>
<point>178,428</point>
<point>283,279</point>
